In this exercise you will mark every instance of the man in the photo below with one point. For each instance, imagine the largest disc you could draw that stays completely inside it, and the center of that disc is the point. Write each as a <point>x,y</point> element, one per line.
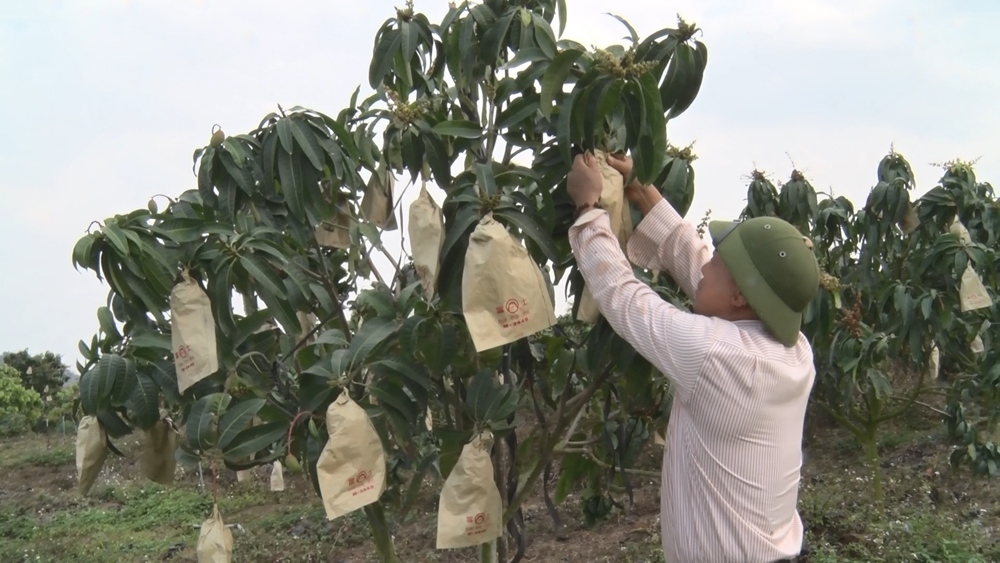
<point>740,367</point>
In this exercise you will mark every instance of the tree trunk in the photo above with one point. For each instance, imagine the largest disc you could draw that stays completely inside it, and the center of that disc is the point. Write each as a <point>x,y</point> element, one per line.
<point>871,453</point>
<point>380,533</point>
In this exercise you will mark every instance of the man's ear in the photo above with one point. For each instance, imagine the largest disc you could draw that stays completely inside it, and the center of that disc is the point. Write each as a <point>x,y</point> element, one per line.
<point>740,301</point>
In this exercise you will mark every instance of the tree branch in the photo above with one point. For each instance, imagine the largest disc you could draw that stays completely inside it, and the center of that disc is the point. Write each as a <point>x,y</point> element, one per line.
<point>590,455</point>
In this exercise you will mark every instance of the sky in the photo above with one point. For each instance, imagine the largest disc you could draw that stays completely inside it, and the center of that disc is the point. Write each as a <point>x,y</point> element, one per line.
<point>105,100</point>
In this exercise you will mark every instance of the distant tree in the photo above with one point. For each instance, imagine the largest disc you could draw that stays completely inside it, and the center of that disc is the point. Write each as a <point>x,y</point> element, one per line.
<point>39,371</point>
<point>19,405</point>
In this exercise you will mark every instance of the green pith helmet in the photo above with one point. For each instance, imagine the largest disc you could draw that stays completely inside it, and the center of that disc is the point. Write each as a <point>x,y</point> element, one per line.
<point>774,267</point>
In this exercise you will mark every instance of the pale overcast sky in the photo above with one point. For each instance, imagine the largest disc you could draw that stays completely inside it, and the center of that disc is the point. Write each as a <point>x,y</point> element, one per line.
<point>105,100</point>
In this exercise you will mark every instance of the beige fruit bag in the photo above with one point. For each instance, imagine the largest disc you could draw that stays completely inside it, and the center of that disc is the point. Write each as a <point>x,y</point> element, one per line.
<point>972,293</point>
<point>277,477</point>
<point>192,333</point>
<point>91,451</point>
<point>335,234</point>
<point>377,204</point>
<point>469,510</point>
<point>351,468</point>
<point>614,202</point>
<point>426,230</point>
<point>504,296</point>
<point>158,462</point>
<point>215,542</point>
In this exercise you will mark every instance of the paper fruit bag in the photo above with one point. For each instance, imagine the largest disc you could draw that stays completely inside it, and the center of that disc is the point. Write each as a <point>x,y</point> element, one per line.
<point>277,477</point>
<point>910,221</point>
<point>614,202</point>
<point>377,205</point>
<point>158,450</point>
<point>971,290</point>
<point>335,234</point>
<point>504,296</point>
<point>192,333</point>
<point>91,451</point>
<point>307,321</point>
<point>215,542</point>
<point>934,362</point>
<point>469,510</point>
<point>426,230</point>
<point>351,468</point>
<point>978,346</point>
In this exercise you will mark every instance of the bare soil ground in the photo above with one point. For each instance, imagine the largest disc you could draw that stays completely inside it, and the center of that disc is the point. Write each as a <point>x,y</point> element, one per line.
<point>931,512</point>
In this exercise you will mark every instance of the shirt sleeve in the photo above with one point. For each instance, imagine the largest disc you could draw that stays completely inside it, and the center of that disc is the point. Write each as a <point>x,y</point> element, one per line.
<point>665,241</point>
<point>675,341</point>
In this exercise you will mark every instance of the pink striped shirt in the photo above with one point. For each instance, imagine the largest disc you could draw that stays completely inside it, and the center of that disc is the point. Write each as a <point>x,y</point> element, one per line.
<point>733,455</point>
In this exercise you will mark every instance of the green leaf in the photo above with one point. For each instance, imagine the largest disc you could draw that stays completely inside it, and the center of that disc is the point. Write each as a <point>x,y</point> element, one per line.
<point>117,239</point>
<point>389,394</point>
<point>544,36</point>
<point>485,179</point>
<point>655,126</point>
<point>292,184</point>
<point>124,380</point>
<point>518,111</point>
<point>631,30</point>
<point>408,41</point>
<point>591,114</point>
<point>523,55</point>
<point>262,274</point>
<point>220,291</point>
<point>164,373</point>
<point>310,146</point>
<point>465,221</point>
<point>285,135</point>
<point>253,440</point>
<point>83,252</point>
<point>247,326</point>
<point>333,337</point>
<point>493,40</point>
<point>488,400</point>
<point>107,322</point>
<point>383,55</point>
<point>530,227</point>
<point>564,126</point>
<point>372,333</point>
<point>561,10</point>
<point>555,77</point>
<point>199,422</point>
<point>110,369</point>
<point>236,419</point>
<point>90,393</point>
<point>407,371</point>
<point>143,402</point>
<point>114,426</point>
<point>462,128</point>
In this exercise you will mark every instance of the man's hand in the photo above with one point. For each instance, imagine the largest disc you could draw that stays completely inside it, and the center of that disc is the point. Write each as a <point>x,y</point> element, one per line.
<point>643,197</point>
<point>584,182</point>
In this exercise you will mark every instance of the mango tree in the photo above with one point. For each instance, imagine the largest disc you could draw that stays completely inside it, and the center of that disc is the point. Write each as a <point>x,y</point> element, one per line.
<point>890,303</point>
<point>489,105</point>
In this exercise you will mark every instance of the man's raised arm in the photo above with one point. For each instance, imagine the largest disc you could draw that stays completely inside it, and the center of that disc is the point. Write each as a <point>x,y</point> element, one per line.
<point>663,240</point>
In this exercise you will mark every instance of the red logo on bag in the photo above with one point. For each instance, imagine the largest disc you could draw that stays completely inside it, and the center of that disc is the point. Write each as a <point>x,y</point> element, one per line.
<point>514,312</point>
<point>184,358</point>
<point>512,306</point>
<point>360,483</point>
<point>476,524</point>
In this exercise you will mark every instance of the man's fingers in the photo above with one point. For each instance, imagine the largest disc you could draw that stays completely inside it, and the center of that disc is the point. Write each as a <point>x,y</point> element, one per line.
<point>620,164</point>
